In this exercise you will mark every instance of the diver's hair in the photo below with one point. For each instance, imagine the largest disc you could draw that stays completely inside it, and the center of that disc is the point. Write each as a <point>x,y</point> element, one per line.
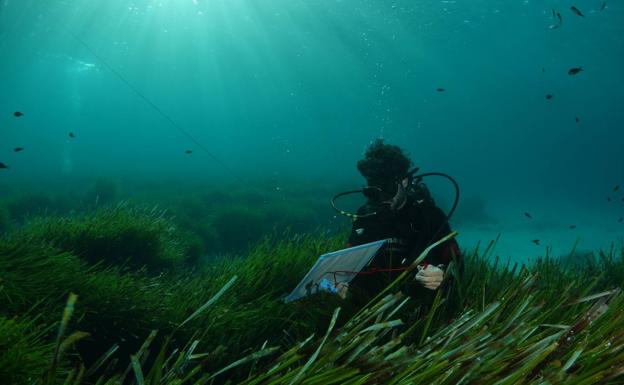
<point>383,164</point>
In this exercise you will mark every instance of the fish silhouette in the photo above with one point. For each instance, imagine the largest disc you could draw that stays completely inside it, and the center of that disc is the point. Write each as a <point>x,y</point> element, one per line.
<point>575,70</point>
<point>577,11</point>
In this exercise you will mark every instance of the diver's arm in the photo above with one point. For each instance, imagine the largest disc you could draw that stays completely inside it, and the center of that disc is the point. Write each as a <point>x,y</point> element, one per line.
<point>439,227</point>
<point>431,273</point>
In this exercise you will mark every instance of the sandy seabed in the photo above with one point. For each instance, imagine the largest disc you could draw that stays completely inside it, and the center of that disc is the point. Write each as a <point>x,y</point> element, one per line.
<point>593,229</point>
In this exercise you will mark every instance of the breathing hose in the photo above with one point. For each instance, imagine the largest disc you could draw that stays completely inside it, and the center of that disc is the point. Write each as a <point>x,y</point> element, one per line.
<point>413,178</point>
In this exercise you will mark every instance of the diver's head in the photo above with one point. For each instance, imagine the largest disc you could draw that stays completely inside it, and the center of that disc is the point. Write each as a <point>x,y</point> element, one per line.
<point>384,166</point>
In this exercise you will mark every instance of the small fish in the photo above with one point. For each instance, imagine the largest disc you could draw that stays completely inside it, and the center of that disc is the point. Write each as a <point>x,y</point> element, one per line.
<point>608,199</point>
<point>188,151</point>
<point>543,69</point>
<point>18,149</point>
<point>72,135</point>
<point>577,11</point>
<point>573,226</point>
<point>528,215</point>
<point>18,114</point>
<point>548,96</point>
<point>619,220</point>
<point>617,187</point>
<point>440,89</point>
<point>3,166</point>
<point>559,20</point>
<point>575,70</point>
<point>576,119</point>
<point>603,6</point>
<point>536,241</point>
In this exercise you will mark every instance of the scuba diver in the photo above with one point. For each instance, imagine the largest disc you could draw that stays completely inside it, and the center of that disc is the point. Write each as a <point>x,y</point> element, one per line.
<point>399,208</point>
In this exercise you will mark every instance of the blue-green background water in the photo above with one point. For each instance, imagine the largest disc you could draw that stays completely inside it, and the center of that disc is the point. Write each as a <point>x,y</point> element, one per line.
<point>292,90</point>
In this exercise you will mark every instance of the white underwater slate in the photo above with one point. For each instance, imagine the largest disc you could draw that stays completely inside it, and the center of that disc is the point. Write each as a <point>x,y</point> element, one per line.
<point>333,268</point>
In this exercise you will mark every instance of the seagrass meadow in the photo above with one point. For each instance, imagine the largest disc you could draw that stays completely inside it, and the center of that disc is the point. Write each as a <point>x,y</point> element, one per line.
<point>82,306</point>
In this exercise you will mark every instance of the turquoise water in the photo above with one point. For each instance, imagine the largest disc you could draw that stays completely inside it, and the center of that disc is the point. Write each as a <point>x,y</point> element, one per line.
<point>295,90</point>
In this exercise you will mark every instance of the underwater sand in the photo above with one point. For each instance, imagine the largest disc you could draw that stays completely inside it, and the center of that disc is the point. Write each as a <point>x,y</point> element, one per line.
<point>596,229</point>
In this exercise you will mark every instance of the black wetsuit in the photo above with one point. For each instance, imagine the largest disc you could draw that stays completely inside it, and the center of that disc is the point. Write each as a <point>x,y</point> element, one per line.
<point>411,229</point>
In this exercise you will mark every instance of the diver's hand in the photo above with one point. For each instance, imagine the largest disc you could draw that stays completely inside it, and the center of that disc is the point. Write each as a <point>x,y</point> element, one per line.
<point>430,277</point>
<point>342,289</point>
